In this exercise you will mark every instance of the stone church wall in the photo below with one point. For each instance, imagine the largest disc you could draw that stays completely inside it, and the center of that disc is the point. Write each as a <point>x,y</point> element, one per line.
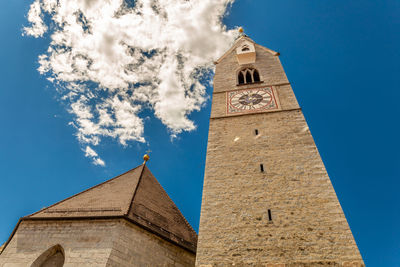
<point>86,243</point>
<point>134,246</point>
<point>269,66</point>
<point>307,227</point>
<point>92,243</point>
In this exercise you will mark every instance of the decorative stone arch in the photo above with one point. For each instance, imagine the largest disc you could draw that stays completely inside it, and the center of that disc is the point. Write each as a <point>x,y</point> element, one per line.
<point>247,76</point>
<point>52,257</point>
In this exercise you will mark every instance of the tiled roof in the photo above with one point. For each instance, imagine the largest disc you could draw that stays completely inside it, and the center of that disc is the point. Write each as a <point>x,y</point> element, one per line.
<point>135,195</point>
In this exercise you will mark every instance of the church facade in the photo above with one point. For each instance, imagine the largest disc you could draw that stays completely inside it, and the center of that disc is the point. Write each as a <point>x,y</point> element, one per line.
<point>267,198</point>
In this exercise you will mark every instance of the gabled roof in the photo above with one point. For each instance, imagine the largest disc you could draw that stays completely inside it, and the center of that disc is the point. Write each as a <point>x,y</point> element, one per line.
<point>235,44</point>
<point>110,198</point>
<point>136,196</point>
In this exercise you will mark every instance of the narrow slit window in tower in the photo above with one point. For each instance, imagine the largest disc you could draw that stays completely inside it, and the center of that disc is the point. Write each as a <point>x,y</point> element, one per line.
<point>256,132</point>
<point>269,215</point>
<point>261,167</point>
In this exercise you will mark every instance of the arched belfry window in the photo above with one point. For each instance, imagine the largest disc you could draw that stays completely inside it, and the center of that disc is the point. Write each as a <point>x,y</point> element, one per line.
<point>256,76</point>
<point>248,75</point>
<point>53,257</point>
<point>241,78</point>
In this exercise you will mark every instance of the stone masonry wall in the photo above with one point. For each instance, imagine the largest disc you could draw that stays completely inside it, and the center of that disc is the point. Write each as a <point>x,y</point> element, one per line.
<point>85,243</point>
<point>269,66</point>
<point>93,243</point>
<point>134,246</point>
<point>307,225</point>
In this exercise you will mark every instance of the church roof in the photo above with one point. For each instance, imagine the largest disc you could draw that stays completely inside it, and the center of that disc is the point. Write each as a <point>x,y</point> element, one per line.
<point>136,196</point>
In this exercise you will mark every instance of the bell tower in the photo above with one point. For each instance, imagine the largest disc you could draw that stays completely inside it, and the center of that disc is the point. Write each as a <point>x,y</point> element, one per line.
<point>267,198</point>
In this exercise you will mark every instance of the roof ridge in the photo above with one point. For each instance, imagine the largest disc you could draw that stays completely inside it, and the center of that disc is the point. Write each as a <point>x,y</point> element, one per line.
<point>165,193</point>
<point>41,210</point>
<point>136,189</point>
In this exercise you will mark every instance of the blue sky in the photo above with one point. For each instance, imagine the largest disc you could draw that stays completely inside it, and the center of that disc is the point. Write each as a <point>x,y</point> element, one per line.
<point>342,59</point>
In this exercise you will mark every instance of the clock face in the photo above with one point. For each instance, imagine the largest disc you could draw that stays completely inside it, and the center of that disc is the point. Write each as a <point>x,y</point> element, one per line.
<point>251,100</point>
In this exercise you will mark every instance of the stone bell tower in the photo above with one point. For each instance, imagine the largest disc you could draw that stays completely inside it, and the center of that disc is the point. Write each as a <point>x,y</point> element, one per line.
<point>267,198</point>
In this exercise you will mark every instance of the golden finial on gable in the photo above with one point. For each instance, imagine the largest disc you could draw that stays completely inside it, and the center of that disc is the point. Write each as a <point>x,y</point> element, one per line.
<point>146,156</point>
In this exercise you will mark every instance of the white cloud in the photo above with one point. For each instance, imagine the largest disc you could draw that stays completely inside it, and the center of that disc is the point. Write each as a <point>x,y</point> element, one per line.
<point>38,27</point>
<point>90,153</point>
<point>110,60</point>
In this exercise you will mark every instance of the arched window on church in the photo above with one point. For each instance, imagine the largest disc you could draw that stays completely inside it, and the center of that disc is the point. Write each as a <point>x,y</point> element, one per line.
<point>241,78</point>
<point>53,257</point>
<point>248,75</point>
<point>249,78</point>
<point>256,76</point>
